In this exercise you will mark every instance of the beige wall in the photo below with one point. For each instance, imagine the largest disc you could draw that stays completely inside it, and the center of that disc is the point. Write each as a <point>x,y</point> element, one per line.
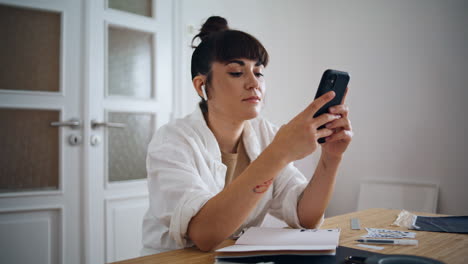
<point>407,61</point>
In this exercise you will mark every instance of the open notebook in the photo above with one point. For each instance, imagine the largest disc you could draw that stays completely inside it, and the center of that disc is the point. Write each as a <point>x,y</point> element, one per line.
<point>261,241</point>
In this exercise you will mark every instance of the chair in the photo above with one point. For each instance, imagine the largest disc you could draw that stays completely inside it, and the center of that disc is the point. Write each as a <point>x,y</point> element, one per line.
<point>396,194</point>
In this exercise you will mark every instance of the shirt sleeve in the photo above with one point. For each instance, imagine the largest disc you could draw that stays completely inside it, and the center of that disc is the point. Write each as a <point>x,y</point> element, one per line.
<point>288,187</point>
<point>177,192</point>
<point>287,190</point>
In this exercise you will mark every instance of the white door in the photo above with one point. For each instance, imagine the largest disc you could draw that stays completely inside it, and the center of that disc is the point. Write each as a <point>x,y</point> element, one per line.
<point>129,94</point>
<point>75,191</point>
<point>40,169</point>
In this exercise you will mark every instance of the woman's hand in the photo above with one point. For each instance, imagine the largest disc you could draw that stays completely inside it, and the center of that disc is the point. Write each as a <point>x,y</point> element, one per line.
<point>337,143</point>
<point>298,138</point>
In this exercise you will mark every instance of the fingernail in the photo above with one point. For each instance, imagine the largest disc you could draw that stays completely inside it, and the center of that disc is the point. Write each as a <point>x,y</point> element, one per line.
<point>328,125</point>
<point>338,116</point>
<point>332,110</point>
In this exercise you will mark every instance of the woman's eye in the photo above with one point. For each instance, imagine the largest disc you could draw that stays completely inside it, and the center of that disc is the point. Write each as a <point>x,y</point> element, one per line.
<point>235,74</point>
<point>258,74</point>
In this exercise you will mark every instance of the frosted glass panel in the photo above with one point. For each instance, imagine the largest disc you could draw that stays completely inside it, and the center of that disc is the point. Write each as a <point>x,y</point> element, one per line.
<point>139,7</point>
<point>127,146</point>
<point>29,150</point>
<point>29,49</point>
<point>130,63</point>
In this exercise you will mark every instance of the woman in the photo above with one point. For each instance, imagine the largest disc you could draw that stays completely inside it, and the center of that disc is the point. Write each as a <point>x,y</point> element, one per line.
<point>223,168</point>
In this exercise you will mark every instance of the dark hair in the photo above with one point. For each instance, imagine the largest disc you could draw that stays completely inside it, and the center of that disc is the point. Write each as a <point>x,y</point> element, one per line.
<point>221,44</point>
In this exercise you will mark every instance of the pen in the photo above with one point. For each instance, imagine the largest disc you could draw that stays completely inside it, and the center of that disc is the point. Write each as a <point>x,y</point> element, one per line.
<point>390,241</point>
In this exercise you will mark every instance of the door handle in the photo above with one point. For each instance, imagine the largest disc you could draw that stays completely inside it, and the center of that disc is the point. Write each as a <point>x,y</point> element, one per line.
<point>72,123</point>
<point>95,124</point>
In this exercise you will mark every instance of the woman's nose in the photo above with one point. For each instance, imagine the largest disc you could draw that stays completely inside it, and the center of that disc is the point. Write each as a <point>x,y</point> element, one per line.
<point>253,82</point>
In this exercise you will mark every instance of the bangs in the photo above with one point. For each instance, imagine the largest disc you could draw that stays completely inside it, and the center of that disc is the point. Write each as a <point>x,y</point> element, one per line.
<point>225,46</point>
<point>233,44</point>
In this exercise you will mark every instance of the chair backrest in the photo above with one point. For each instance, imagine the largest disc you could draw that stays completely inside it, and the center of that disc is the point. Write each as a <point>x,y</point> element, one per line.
<point>396,194</point>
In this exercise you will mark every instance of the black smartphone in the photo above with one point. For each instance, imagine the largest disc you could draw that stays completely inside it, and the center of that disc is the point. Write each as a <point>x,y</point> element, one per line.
<point>332,80</point>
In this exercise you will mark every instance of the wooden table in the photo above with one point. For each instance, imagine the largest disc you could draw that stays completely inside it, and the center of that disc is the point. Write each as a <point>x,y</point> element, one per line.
<point>449,248</point>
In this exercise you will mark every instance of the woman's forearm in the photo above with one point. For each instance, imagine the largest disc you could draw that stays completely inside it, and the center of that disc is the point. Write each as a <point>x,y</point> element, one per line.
<point>318,192</point>
<point>223,214</point>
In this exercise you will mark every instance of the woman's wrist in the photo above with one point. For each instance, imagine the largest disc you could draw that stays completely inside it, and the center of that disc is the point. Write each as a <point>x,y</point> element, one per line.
<point>331,160</point>
<point>277,155</point>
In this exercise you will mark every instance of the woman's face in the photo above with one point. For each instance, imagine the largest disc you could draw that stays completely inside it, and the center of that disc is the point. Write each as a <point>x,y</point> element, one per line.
<point>236,90</point>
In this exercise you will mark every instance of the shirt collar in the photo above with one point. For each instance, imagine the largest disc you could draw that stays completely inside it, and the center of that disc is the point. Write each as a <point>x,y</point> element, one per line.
<point>249,136</point>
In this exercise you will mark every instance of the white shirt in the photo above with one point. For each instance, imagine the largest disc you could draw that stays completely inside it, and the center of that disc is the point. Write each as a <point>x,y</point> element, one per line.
<point>185,171</point>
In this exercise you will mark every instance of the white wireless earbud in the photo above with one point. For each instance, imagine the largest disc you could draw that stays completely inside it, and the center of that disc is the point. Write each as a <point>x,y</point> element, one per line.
<point>203,88</point>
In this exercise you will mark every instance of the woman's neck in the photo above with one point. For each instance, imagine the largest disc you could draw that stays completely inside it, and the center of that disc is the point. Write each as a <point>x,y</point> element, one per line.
<point>226,131</point>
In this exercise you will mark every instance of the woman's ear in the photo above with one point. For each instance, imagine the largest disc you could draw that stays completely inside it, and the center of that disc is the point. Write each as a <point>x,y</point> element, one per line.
<point>200,86</point>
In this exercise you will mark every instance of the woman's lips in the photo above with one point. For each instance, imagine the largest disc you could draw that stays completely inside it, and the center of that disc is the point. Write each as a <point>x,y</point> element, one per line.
<point>252,99</point>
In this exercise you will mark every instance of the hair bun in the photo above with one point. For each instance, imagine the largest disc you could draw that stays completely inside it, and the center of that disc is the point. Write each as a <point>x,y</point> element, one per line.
<point>212,25</point>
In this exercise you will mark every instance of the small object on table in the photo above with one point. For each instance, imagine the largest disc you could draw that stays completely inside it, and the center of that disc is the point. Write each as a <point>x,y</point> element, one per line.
<point>370,246</point>
<point>355,225</point>
<point>448,224</point>
<point>387,233</point>
<point>409,242</point>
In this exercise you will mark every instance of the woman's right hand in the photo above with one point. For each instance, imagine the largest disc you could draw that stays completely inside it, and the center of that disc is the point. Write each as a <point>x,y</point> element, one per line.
<point>298,138</point>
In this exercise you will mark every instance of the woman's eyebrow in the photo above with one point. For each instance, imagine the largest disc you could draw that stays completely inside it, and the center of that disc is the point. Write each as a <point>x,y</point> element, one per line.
<point>241,63</point>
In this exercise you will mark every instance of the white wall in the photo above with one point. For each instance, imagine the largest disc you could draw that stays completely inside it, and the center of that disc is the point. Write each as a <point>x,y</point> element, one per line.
<point>407,60</point>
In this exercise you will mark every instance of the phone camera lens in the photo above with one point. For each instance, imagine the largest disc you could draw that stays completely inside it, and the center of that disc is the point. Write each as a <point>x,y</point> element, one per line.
<point>332,80</point>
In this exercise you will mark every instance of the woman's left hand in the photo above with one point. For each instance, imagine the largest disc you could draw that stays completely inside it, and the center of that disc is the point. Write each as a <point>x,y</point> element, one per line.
<point>336,144</point>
